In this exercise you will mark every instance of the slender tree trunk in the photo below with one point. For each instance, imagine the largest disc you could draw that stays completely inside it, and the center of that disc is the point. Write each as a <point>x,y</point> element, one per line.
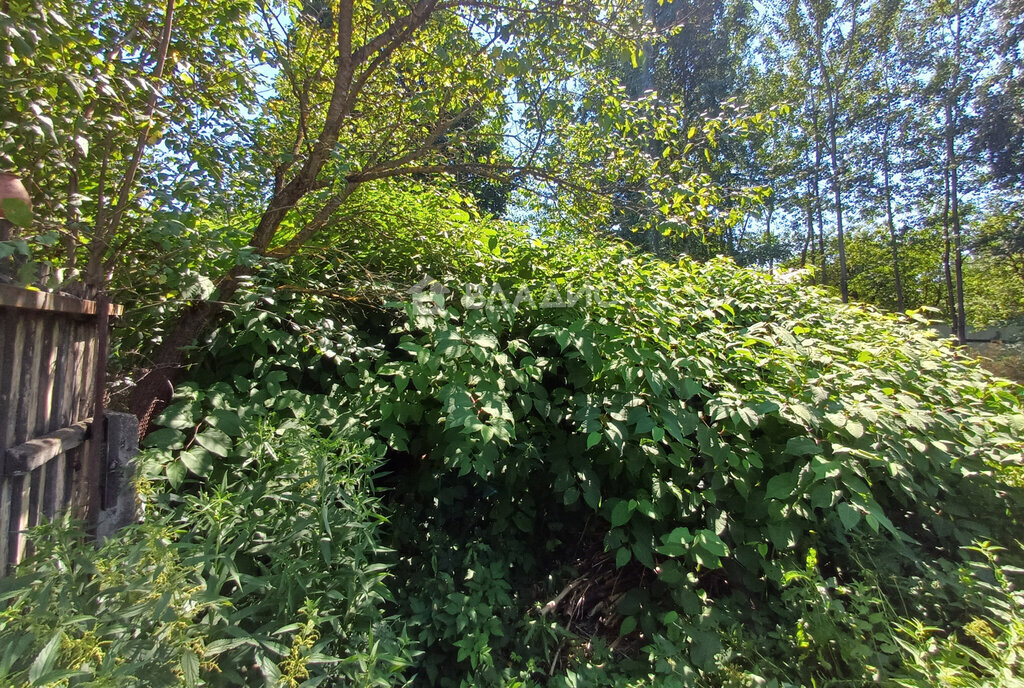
<point>809,237</point>
<point>960,319</point>
<point>893,242</point>
<point>954,184</point>
<point>831,122</point>
<point>817,200</point>
<point>643,80</point>
<point>947,273</point>
<point>837,195</point>
<point>108,219</point>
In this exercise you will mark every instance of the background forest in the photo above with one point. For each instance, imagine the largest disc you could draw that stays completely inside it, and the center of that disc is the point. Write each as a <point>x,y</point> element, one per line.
<point>897,171</point>
<point>471,345</point>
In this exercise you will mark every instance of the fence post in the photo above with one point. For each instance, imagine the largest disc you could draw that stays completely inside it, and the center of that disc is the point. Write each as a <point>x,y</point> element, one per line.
<point>121,446</point>
<point>95,472</point>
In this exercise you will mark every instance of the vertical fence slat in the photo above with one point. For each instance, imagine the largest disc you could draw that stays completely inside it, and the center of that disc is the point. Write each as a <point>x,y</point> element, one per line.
<point>6,340</point>
<point>12,488</point>
<point>9,357</point>
<point>60,404</point>
<point>25,413</point>
<point>19,518</point>
<point>74,370</point>
<point>85,371</point>
<point>13,379</point>
<point>52,486</point>
<point>5,522</point>
<point>44,420</point>
<point>36,479</point>
<point>7,389</point>
<point>67,481</point>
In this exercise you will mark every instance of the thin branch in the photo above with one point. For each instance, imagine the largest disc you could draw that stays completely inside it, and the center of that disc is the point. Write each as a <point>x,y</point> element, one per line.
<point>318,221</point>
<point>419,14</point>
<point>498,172</point>
<point>105,228</point>
<point>439,130</point>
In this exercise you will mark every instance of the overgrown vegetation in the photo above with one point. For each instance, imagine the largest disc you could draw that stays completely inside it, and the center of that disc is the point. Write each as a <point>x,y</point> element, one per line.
<point>598,469</point>
<point>393,439</point>
<point>272,575</point>
<point>606,466</point>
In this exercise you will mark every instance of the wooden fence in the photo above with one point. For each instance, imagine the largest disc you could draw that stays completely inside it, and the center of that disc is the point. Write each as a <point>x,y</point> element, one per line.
<point>52,455</point>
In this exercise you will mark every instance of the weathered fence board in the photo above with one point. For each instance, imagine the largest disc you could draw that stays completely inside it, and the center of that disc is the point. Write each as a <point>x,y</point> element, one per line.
<point>51,453</point>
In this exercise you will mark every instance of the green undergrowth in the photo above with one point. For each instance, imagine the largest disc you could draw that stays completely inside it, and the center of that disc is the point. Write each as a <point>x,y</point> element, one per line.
<point>271,576</point>
<point>602,469</point>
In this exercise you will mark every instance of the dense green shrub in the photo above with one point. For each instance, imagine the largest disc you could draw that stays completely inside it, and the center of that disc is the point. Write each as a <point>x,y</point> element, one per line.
<point>604,468</point>
<point>712,424</point>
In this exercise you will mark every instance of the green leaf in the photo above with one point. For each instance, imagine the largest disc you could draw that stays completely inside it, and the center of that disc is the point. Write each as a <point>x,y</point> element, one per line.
<point>628,625</point>
<point>849,515</point>
<point>17,211</point>
<point>562,337</point>
<point>875,517</point>
<point>165,438</point>
<point>621,513</point>
<point>484,340</point>
<point>622,557</point>
<point>176,473</point>
<point>226,421</point>
<point>593,439</point>
<point>781,486</point>
<point>82,144</point>
<point>855,429</point>
<point>710,542</point>
<point>215,441</point>
<point>401,382</point>
<point>571,496</point>
<point>802,446</point>
<point>269,669</point>
<point>190,668</point>
<point>197,461</point>
<point>678,536</point>
<point>45,659</point>
<point>177,416</point>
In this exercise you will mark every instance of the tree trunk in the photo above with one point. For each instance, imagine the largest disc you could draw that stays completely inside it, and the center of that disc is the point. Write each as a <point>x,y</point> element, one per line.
<point>643,81</point>
<point>837,196</point>
<point>817,200</point>
<point>809,237</point>
<point>153,391</point>
<point>954,184</point>
<point>947,273</point>
<point>832,99</point>
<point>893,242</point>
<point>960,318</point>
